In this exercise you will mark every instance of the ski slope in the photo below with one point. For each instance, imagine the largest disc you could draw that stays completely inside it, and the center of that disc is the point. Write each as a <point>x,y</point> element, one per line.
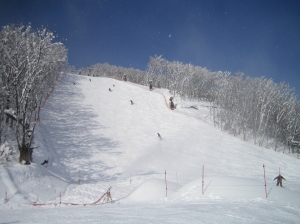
<point>94,138</point>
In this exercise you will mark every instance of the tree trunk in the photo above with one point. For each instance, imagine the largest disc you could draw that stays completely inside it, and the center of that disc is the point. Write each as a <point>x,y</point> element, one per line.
<point>25,154</point>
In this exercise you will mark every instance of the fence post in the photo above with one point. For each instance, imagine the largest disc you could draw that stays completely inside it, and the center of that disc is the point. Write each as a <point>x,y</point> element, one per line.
<point>203,179</point>
<point>166,183</point>
<point>265,181</point>
<point>79,177</point>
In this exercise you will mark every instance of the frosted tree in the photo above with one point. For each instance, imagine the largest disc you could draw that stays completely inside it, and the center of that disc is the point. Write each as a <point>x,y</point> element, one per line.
<point>107,70</point>
<point>284,101</point>
<point>30,65</point>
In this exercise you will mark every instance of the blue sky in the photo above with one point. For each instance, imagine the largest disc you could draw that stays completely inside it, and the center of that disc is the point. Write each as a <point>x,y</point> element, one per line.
<point>259,38</point>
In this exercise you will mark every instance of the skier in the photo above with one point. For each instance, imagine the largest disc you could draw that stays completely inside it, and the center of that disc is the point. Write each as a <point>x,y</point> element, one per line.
<point>45,162</point>
<point>125,77</point>
<point>150,85</point>
<point>131,102</point>
<point>160,138</point>
<point>279,180</point>
<point>172,106</point>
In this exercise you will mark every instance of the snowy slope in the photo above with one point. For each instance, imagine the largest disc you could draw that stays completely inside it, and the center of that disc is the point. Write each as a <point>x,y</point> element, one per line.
<point>94,138</point>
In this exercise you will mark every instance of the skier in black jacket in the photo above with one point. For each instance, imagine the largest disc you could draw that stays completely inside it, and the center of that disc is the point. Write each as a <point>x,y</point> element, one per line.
<point>150,85</point>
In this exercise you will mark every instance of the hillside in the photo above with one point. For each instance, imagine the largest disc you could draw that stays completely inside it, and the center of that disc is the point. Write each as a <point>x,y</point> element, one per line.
<point>94,138</point>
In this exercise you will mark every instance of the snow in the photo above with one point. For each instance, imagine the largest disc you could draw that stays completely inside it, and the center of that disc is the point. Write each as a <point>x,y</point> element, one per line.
<point>94,139</point>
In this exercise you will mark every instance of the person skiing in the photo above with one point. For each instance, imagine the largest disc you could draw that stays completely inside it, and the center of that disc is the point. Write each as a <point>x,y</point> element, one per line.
<point>159,136</point>
<point>150,85</point>
<point>45,162</point>
<point>279,180</point>
<point>172,106</point>
<point>125,77</point>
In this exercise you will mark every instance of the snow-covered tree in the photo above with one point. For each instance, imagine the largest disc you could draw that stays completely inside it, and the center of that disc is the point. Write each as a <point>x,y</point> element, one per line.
<point>30,64</point>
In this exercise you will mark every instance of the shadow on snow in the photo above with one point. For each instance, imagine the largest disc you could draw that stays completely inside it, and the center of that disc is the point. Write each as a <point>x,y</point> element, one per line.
<point>75,145</point>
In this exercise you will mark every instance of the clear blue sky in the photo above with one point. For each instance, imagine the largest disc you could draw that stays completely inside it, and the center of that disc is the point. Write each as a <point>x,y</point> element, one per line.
<point>257,37</point>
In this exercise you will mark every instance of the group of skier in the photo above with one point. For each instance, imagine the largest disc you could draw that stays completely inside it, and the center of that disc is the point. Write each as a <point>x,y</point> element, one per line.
<point>172,107</point>
<point>171,103</point>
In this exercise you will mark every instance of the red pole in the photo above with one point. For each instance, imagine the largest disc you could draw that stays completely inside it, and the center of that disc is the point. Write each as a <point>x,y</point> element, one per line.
<point>166,183</point>
<point>203,179</point>
<point>265,181</point>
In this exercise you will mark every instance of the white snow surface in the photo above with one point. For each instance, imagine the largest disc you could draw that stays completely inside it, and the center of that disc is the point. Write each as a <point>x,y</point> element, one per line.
<point>94,138</point>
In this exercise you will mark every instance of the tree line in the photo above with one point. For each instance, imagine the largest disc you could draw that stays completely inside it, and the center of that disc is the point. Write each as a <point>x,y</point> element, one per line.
<point>112,71</point>
<point>254,108</point>
<point>30,65</point>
